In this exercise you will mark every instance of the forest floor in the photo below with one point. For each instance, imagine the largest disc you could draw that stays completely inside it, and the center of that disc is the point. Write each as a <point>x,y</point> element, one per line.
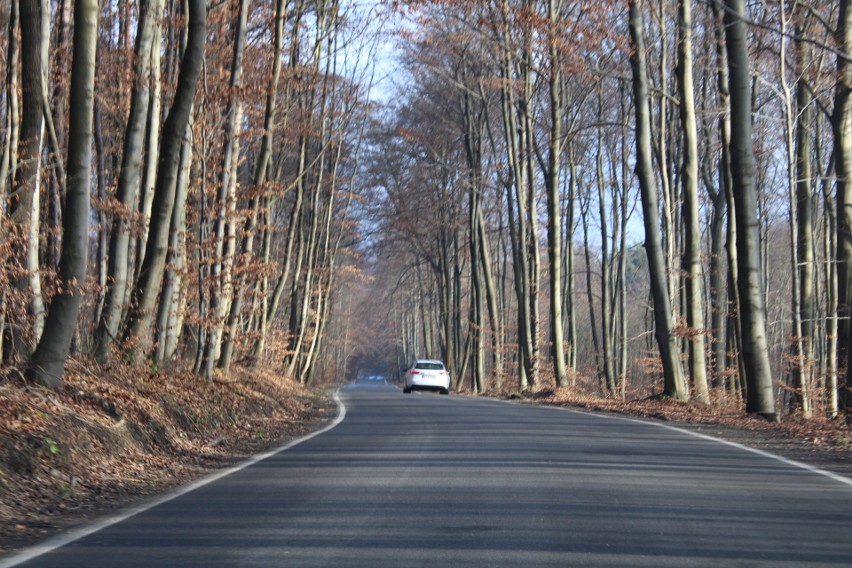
<point>114,436</point>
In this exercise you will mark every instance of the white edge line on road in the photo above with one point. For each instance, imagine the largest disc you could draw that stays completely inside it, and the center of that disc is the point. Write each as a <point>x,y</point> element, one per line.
<point>830,474</point>
<point>53,543</point>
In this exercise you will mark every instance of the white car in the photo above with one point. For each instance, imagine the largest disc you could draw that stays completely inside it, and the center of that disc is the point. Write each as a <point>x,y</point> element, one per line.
<point>426,374</point>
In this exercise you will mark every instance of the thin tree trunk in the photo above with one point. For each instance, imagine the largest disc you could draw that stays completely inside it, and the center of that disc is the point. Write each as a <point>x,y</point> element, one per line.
<point>152,137</point>
<point>260,175</point>
<point>169,320</point>
<point>150,277</point>
<point>798,173</point>
<point>692,268</point>
<point>27,174</point>
<point>10,146</point>
<point>585,204</point>
<point>225,198</point>
<point>554,213</point>
<point>673,382</point>
<point>804,198</point>
<point>607,341</point>
<point>129,179</point>
<point>103,241</point>
<point>841,122</point>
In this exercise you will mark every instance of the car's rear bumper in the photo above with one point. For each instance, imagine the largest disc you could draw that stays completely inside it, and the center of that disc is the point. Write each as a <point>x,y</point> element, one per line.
<point>427,383</point>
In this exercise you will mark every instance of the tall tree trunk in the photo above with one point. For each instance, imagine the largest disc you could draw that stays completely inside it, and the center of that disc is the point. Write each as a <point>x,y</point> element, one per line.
<point>568,294</point>
<point>752,313</point>
<point>24,197</point>
<point>585,199</point>
<point>804,201</point>
<point>797,140</point>
<point>841,121</point>
<point>129,179</point>
<point>10,142</point>
<point>260,176</point>
<point>101,176</point>
<point>150,277</point>
<point>169,320</point>
<point>727,301</point>
<point>225,197</point>
<point>673,382</point>
<point>692,268</point>
<point>48,361</point>
<point>607,341</point>
<point>554,213</point>
<point>152,138</point>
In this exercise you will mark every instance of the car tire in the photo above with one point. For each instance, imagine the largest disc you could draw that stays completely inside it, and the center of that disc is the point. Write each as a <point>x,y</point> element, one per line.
<point>406,391</point>
<point>445,391</point>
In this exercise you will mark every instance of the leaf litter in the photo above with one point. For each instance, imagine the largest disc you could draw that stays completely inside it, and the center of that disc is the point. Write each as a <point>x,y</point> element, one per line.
<point>114,435</point>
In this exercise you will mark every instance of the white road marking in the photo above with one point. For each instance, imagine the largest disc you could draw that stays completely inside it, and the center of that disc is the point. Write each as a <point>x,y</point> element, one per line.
<point>830,474</point>
<point>52,544</point>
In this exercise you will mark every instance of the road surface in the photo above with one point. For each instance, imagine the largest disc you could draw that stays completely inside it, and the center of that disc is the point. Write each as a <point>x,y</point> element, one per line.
<point>430,480</point>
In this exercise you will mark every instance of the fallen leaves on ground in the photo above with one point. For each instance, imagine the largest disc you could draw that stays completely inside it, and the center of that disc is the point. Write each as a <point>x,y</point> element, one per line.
<point>114,434</point>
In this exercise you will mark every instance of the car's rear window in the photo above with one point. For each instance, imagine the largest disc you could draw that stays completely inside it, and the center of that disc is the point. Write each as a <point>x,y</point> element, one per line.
<point>429,366</point>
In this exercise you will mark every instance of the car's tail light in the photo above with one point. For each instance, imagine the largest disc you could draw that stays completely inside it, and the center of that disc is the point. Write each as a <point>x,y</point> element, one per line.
<point>414,372</point>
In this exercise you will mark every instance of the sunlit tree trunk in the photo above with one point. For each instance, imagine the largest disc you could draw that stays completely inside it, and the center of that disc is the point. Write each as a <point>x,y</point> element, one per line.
<point>261,169</point>
<point>169,311</point>
<point>673,382</point>
<point>797,141</point>
<point>48,361</point>
<point>10,152</point>
<point>152,135</point>
<point>607,340</point>
<point>150,277</point>
<point>841,122</point>
<point>226,197</point>
<point>692,268</point>
<point>517,129</point>
<point>554,213</point>
<point>752,312</point>
<point>10,140</point>
<point>127,192</point>
<point>23,201</point>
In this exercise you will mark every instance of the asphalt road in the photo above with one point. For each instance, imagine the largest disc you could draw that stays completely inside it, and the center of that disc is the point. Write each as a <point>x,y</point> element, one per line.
<point>430,480</point>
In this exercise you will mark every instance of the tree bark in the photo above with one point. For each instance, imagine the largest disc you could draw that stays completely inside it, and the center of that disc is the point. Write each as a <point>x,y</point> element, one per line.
<point>260,176</point>
<point>150,277</point>
<point>48,361</point>
<point>692,268</point>
<point>169,319</point>
<point>24,196</point>
<point>673,382</point>
<point>841,122</point>
<point>129,179</point>
<point>752,313</point>
<point>225,198</point>
<point>554,213</point>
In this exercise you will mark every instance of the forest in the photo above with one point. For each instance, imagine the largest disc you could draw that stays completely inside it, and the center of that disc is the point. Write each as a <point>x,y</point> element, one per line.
<point>630,198</point>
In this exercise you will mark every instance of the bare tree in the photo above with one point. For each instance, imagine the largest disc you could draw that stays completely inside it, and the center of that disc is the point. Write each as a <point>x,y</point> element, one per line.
<point>752,312</point>
<point>48,361</point>
<point>673,383</point>
<point>150,277</point>
<point>119,268</point>
<point>692,267</point>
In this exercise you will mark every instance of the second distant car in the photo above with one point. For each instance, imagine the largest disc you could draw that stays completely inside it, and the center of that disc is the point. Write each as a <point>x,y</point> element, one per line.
<point>427,374</point>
